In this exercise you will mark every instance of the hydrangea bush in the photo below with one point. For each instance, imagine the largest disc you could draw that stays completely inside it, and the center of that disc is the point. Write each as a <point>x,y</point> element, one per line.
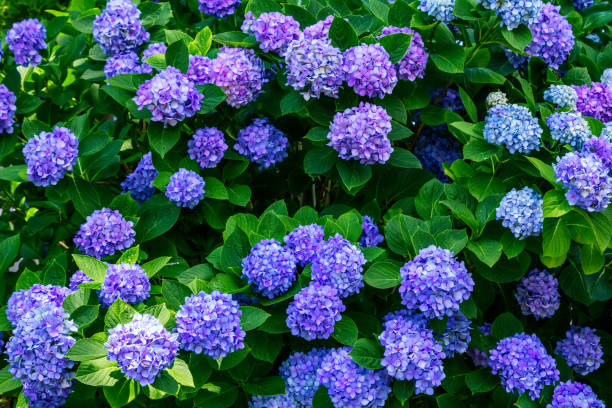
<point>305,204</point>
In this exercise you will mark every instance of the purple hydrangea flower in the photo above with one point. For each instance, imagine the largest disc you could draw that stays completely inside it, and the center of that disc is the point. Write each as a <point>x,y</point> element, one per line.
<point>538,294</point>
<point>25,39</point>
<point>273,31</point>
<point>440,10</point>
<point>595,101</point>
<point>360,133</point>
<point>521,211</point>
<point>128,282</point>
<point>170,96</point>
<point>369,71</point>
<point>142,348</point>
<point>601,147</point>
<point>139,183</point>
<point>513,126</point>
<point>300,374</point>
<point>7,109</point>
<point>314,67</point>
<point>606,77</point>
<point>152,49</point>
<point>25,300</point>
<point>104,232</point>
<point>207,147</point>
<point>118,29</point>
<point>562,96</point>
<point>272,401</point>
<point>370,235</point>
<point>122,64</point>
<point>481,358</point>
<point>515,12</point>
<point>219,8</point>
<point>523,364</point>
<point>568,127</point>
<point>434,148</point>
<point>49,155</point>
<point>552,37</point>
<point>435,283</point>
<point>581,350</point>
<point>305,242</point>
<point>412,65</point>
<point>77,278</point>
<point>496,98</point>
<point>574,395</point>
<point>186,188</point>
<point>210,324</point>
<point>270,267</point>
<point>339,264</point>
<point>262,143</point>
<point>314,311</point>
<point>199,70</point>
<point>319,30</point>
<point>456,336</point>
<point>411,351</point>
<point>350,385</point>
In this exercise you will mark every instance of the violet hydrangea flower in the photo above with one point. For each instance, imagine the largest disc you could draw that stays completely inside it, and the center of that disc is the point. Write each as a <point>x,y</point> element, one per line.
<point>25,300</point>
<point>601,147</point>
<point>128,282</point>
<point>25,39</point>
<point>104,232</point>
<point>581,350</point>
<point>574,395</point>
<point>319,30</point>
<point>595,101</point>
<point>7,109</point>
<point>207,147</point>
<point>270,267</point>
<point>538,294</point>
<point>186,188</point>
<point>552,36</point>
<point>568,127</point>
<point>219,8</point>
<point>412,65</point>
<point>152,49</point>
<point>433,148</point>
<point>199,70</point>
<point>440,10</point>
<point>49,155</point>
<point>562,96</point>
<point>139,183</point>
<point>273,31</point>
<point>456,336</point>
<point>262,143</point>
<point>300,374</point>
<point>521,211</point>
<point>122,64</point>
<point>272,401</point>
<point>512,126</point>
<point>305,242</point>
<point>369,71</point>
<point>76,279</point>
<point>370,235</point>
<point>118,29</point>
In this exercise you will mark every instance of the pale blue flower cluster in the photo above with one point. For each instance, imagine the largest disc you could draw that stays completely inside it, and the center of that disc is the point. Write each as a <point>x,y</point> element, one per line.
<point>513,126</point>
<point>207,147</point>
<point>369,71</point>
<point>7,109</point>
<point>563,96</point>
<point>25,39</point>
<point>521,211</point>
<point>118,29</point>
<point>568,127</point>
<point>574,395</point>
<point>440,10</point>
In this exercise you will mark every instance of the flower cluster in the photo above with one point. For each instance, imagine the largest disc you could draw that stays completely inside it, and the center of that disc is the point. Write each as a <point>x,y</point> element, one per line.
<point>274,31</point>
<point>523,364</point>
<point>76,279</point>
<point>300,374</point>
<point>186,188</point>
<point>595,101</point>
<point>7,109</point>
<point>521,212</point>
<point>270,267</point>
<point>496,98</point>
<point>515,12</point>
<point>219,8</point>
<point>142,348</point>
<point>433,148</point>
<point>514,127</point>
<point>139,183</point>
<point>517,60</point>
<point>25,39</point>
<point>128,282</point>
<point>305,242</point>
<point>210,324</point>
<point>23,301</point>
<point>582,4</point>
<point>49,155</point>
<point>456,336</point>
<point>104,232</point>
<point>606,77</point>
<point>563,96</point>
<point>369,71</point>
<point>440,10</point>
<point>360,133</point>
<point>314,311</point>
<point>606,132</point>
<point>199,70</point>
<point>574,395</point>
<point>170,97</point>
<point>272,401</point>
<point>581,350</point>
<point>319,30</point>
<point>601,147</point>
<point>370,235</point>
<point>412,65</point>
<point>122,64</point>
<point>538,294</point>
<point>207,147</point>
<point>552,36</point>
<point>118,29</point>
<point>262,143</point>
<point>568,127</point>
<point>435,283</point>
<point>449,99</point>
<point>152,49</point>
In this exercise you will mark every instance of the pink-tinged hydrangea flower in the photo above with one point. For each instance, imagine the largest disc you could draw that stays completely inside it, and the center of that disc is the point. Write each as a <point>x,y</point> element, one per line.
<point>104,232</point>
<point>574,395</point>
<point>319,30</point>
<point>273,31</point>
<point>49,155</point>
<point>25,39</point>
<point>118,29</point>
<point>513,126</point>
<point>411,351</point>
<point>273,401</point>
<point>170,97</point>
<point>76,279</point>
<point>581,350</point>
<point>456,336</point>
<point>270,267</point>
<point>361,133</point>
<point>440,10</point>
<point>435,283</point>
<point>606,77</point>
<point>568,127</point>
<point>433,148</point>
<point>601,147</point>
<point>412,65</point>
<point>300,374</point>
<point>152,49</point>
<point>199,70</point>
<point>538,294</point>
<point>209,323</point>
<point>370,235</point>
<point>7,109</point>
<point>595,101</point>
<point>521,211</point>
<point>562,96</point>
<point>139,183</point>
<point>339,263</point>
<point>122,64</point>
<point>219,8</point>
<point>515,12</point>
<point>262,143</point>
<point>369,71</point>
<point>496,98</point>
<point>207,147</point>
<point>481,358</point>
<point>314,67</point>
<point>142,348</point>
<point>25,300</point>
<point>128,282</point>
<point>314,311</point>
<point>305,242</point>
<point>186,188</point>
<point>37,355</point>
<point>523,364</point>
<point>552,37</point>
<point>350,385</point>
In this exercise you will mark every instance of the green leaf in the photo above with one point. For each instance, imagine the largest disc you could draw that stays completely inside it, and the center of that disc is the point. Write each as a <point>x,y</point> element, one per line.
<point>264,346</point>
<point>118,313</point>
<point>157,216</point>
<point>383,275</point>
<point>27,279</point>
<point>468,103</point>
<point>556,238</point>
<point>155,265</point>
<point>163,139</point>
<point>9,248</point>
<point>480,380</point>
<point>555,205</point>
<point>292,102</point>
<point>479,150</point>
<point>461,211</point>
<point>342,34</point>
<point>428,198</point>
<point>506,325</point>
<point>130,255</point>
<point>252,317</point>
<point>235,39</point>
<point>546,170</point>
<point>518,38</point>
<point>319,160</point>
<point>92,267</point>
<point>86,349</point>
<point>591,260</point>
<point>213,96</point>
<point>396,45</point>
<point>525,401</point>
<point>317,134</point>
<point>449,58</point>
<point>353,174</point>
<point>97,373</point>
<point>219,395</point>
<point>122,393</point>
<point>239,194</point>
<point>404,159</point>
<point>367,353</point>
<point>265,386</point>
<point>174,293</point>
<point>399,232</point>
<point>482,75</point>
<point>345,331</point>
<point>14,173</point>
<point>233,359</point>
<point>453,240</point>
<point>215,189</point>
<point>488,251</point>
<point>6,381</point>
<point>512,245</point>
<point>202,42</point>
<point>181,373</point>
<point>258,7</point>
<point>399,131</point>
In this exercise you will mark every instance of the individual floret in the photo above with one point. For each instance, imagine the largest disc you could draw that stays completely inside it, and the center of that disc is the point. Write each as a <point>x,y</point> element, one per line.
<point>581,350</point>
<point>513,126</point>
<point>552,37</point>
<point>270,267</point>
<point>300,374</point>
<point>440,10</point>
<point>305,242</point>
<point>186,188</point>
<point>118,29</point>
<point>139,183</point>
<point>562,96</point>
<point>273,31</point>
<point>207,147</point>
<point>23,301</point>
<point>370,235</point>
<point>104,232</point>
<point>262,143</point>
<point>369,71</point>
<point>314,311</point>
<point>574,395</point>
<point>128,282</point>
<point>412,65</point>
<point>538,294</point>
<point>49,155</point>
<point>25,39</point>
<point>7,109</point>
<point>521,211</point>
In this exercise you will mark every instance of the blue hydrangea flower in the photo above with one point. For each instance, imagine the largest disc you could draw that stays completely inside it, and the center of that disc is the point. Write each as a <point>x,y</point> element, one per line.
<point>262,143</point>
<point>606,132</point>
<point>606,77</point>
<point>369,71</point>
<point>451,99</point>
<point>219,8</point>
<point>523,364</point>
<point>270,267</point>
<point>305,241</point>
<point>314,311</point>
<point>435,283</point>
<point>273,31</point>
<point>122,64</point>
<point>582,4</point>
<point>300,374</point>
<point>412,65</point>
<point>595,101</point>
<point>7,109</point>
<point>25,39</point>
<point>186,188</point>
<point>207,147</point>
<point>339,264</point>
<point>496,98</point>
<point>562,96</point>
<point>350,385</point>
<point>129,282</point>
<point>515,12</point>
<point>440,10</point>
<point>456,336</point>
<point>25,300</point>
<point>139,183</point>
<point>517,60</point>
<point>361,133</point>
<point>319,30</point>
<point>538,294</point>
<point>434,148</point>
<point>521,212</point>
<point>601,147</point>
<point>273,401</point>
<point>370,235</point>
<point>199,70</point>
<point>581,350</point>
<point>104,232</point>
<point>152,49</point>
<point>118,29</point>
<point>552,37</point>
<point>76,279</point>
<point>513,126</point>
<point>574,395</point>
<point>49,155</point>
